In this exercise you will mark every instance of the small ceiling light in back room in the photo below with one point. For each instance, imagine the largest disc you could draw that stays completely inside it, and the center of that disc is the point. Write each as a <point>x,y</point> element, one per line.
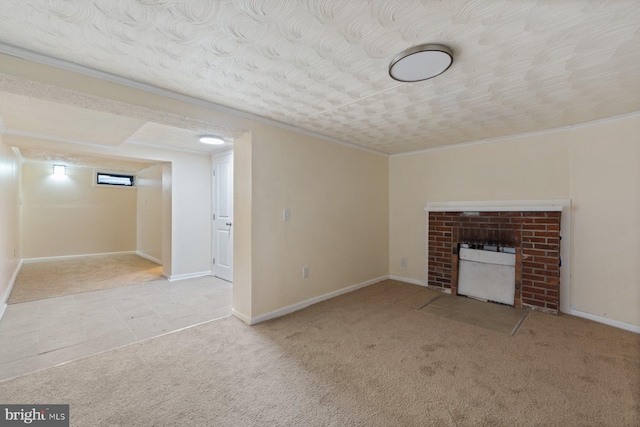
<point>421,63</point>
<point>211,139</point>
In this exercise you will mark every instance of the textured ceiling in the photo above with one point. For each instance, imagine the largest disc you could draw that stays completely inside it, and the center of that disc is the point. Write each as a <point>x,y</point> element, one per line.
<point>321,65</point>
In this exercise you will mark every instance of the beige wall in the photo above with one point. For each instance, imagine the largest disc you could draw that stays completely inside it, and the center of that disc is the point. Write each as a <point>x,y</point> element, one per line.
<point>596,166</point>
<point>149,213</point>
<point>321,191</point>
<point>242,249</point>
<point>186,187</point>
<point>68,215</point>
<point>9,219</point>
<point>605,188</point>
<point>188,174</point>
<point>338,200</point>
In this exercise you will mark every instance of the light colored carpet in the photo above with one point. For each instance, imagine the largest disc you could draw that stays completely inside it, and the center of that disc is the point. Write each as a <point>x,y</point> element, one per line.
<point>47,279</point>
<point>495,317</point>
<point>367,358</point>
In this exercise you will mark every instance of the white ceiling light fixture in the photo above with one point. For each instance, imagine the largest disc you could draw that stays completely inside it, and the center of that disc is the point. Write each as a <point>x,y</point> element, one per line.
<point>421,63</point>
<point>211,139</point>
<point>59,170</point>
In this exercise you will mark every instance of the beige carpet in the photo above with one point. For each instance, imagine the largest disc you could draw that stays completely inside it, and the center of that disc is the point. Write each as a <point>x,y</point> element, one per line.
<point>367,358</point>
<point>495,317</point>
<point>47,279</point>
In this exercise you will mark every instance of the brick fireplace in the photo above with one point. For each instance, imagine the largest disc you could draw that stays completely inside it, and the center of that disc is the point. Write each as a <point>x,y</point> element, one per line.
<point>535,235</point>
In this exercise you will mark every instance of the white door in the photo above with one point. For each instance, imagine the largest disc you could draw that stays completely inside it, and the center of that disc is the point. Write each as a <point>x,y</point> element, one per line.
<point>223,216</point>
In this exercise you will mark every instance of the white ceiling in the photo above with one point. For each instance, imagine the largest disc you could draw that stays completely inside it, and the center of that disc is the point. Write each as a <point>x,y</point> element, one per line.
<point>52,114</point>
<point>66,122</point>
<point>106,164</point>
<point>171,136</point>
<point>321,65</point>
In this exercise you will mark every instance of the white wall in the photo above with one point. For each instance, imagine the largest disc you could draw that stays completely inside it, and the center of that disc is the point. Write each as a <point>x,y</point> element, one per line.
<point>149,213</point>
<point>191,214</point>
<point>596,166</point>
<point>69,215</point>
<point>167,220</point>
<point>9,220</point>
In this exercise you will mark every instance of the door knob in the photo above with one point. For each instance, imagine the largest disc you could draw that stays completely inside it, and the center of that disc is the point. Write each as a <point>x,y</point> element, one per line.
<point>228,224</point>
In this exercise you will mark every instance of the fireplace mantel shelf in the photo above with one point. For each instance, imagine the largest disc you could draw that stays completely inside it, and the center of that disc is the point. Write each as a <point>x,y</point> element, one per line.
<point>499,206</point>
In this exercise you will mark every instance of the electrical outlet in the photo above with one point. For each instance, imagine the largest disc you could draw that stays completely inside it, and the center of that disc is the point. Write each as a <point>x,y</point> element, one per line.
<point>287,215</point>
<point>403,262</point>
<point>305,272</point>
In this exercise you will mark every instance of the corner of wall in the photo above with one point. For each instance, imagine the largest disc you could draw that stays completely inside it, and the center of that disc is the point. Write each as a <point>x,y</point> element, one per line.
<point>242,212</point>
<point>167,260</point>
<point>10,250</point>
<point>7,293</point>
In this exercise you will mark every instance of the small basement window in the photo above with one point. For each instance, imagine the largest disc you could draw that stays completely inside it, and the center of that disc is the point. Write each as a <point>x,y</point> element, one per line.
<point>113,179</point>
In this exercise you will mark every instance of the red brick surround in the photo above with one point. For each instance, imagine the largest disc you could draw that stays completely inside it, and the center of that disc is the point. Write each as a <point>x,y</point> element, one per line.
<point>535,235</point>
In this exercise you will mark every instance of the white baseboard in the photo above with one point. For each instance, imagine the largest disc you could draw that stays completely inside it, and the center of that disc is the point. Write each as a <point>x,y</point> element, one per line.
<point>5,297</point>
<point>610,322</point>
<point>306,303</point>
<point>407,280</point>
<point>246,319</point>
<point>149,257</point>
<point>175,277</point>
<point>54,258</point>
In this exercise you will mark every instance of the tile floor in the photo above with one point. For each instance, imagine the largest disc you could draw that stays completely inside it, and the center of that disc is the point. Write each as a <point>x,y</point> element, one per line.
<point>39,334</point>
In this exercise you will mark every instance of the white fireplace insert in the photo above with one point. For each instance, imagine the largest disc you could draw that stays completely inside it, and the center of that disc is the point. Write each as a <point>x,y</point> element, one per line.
<point>488,275</point>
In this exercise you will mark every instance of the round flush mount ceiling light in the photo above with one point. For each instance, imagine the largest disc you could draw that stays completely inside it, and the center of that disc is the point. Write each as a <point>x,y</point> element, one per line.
<point>212,140</point>
<point>421,63</point>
